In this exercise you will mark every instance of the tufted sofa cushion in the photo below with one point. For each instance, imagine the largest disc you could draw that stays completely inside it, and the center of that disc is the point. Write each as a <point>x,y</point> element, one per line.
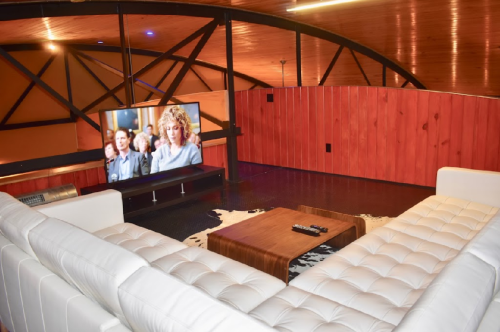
<point>385,272</point>
<point>93,266</point>
<point>295,310</point>
<point>144,242</point>
<point>16,221</point>
<point>155,301</point>
<point>456,300</point>
<point>237,284</point>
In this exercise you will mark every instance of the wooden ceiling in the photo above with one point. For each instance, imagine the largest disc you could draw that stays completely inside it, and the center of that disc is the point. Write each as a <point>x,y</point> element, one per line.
<point>451,45</point>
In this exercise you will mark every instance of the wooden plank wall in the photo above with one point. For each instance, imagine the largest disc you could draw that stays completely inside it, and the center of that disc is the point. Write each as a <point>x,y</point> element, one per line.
<point>397,135</point>
<point>215,155</point>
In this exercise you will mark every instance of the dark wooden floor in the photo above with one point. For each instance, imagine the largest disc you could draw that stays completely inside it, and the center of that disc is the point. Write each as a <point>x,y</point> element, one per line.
<point>266,187</point>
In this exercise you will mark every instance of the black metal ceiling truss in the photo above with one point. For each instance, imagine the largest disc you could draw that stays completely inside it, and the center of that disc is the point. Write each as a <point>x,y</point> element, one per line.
<point>330,66</point>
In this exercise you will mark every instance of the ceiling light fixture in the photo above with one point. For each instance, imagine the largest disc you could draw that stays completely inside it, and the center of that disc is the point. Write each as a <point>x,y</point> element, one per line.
<point>100,42</point>
<point>317,5</point>
<point>149,33</point>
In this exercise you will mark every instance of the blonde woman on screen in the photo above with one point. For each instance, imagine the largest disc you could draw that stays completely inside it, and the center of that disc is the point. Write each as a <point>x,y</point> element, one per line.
<point>178,150</point>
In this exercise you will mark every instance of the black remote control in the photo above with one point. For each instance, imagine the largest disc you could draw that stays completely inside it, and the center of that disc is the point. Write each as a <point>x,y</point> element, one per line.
<point>319,228</point>
<point>305,230</point>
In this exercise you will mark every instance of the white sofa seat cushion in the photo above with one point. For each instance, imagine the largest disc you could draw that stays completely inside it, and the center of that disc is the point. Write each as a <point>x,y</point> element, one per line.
<point>491,319</point>
<point>155,301</point>
<point>456,300</point>
<point>295,310</point>
<point>237,284</point>
<point>32,298</point>
<point>144,242</point>
<point>385,272</point>
<point>16,221</point>
<point>88,212</point>
<point>92,265</point>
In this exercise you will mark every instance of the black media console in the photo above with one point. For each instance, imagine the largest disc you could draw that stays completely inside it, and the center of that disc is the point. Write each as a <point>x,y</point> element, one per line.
<point>142,195</point>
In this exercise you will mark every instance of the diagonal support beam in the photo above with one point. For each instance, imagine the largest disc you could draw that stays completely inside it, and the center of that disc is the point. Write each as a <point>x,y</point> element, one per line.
<point>96,78</point>
<point>330,66</point>
<point>162,79</point>
<point>359,66</point>
<point>27,91</point>
<point>201,79</point>
<point>180,75</point>
<point>146,68</point>
<point>47,88</point>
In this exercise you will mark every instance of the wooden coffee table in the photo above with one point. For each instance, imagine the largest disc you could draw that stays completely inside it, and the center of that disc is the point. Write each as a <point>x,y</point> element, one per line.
<point>267,242</point>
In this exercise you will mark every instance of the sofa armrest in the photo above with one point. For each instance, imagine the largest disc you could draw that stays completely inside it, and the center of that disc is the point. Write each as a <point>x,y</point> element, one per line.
<point>89,212</point>
<point>471,185</point>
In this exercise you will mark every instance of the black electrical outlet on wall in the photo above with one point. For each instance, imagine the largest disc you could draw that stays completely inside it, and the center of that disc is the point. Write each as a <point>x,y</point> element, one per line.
<point>270,98</point>
<point>328,147</point>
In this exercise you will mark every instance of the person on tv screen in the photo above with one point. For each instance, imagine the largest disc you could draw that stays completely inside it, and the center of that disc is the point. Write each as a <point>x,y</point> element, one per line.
<point>128,164</point>
<point>141,145</point>
<point>110,151</point>
<point>152,137</point>
<point>178,150</point>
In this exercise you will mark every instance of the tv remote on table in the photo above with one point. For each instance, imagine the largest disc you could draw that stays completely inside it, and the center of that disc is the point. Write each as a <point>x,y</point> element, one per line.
<point>319,228</point>
<point>305,230</point>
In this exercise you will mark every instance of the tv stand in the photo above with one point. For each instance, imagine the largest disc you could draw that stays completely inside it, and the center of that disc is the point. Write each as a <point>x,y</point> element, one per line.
<point>143,195</point>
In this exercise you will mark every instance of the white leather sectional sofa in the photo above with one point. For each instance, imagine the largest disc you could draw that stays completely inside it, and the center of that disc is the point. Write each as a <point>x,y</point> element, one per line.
<point>75,265</point>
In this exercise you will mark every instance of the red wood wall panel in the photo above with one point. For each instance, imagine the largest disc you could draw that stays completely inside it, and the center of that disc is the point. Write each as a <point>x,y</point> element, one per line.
<point>375,132</point>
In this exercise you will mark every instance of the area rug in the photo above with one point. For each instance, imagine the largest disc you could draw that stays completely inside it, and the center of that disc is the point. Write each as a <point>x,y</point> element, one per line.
<point>297,265</point>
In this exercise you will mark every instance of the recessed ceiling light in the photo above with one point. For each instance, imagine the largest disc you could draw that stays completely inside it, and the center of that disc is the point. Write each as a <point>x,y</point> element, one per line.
<point>52,47</point>
<point>317,5</point>
<point>100,42</point>
<point>149,33</point>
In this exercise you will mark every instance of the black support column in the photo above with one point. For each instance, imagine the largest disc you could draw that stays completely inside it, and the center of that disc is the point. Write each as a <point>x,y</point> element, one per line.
<point>125,59</point>
<point>232,148</point>
<point>298,51</point>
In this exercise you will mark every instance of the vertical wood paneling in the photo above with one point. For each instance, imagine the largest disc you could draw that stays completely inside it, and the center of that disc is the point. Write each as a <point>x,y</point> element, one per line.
<point>479,152</point>
<point>247,136</point>
<point>329,126</point>
<point>344,124</point>
<point>92,176</point>
<point>433,136</point>
<point>304,127</point>
<point>266,127</point>
<point>381,160</point>
<point>362,130</point>
<point>493,135</point>
<point>392,134</point>
<point>410,112</point>
<point>380,133</point>
<point>239,123</point>
<point>456,121</point>
<point>421,138</point>
<point>469,120</point>
<point>353,131</point>
<point>320,125</point>
<point>297,118</point>
<point>283,147</point>
<point>371,134</point>
<point>312,127</point>
<point>444,131</point>
<point>102,175</point>
<point>337,130</point>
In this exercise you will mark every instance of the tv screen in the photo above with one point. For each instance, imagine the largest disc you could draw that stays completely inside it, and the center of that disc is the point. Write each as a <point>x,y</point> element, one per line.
<point>142,141</point>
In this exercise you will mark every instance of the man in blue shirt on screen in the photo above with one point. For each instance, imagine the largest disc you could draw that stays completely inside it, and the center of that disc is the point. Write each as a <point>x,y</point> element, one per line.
<point>129,164</point>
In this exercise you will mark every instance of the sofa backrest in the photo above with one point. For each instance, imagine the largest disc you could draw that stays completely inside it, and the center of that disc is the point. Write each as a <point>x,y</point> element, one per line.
<point>155,301</point>
<point>89,212</point>
<point>95,267</point>
<point>32,298</point>
<point>456,299</point>
<point>16,221</point>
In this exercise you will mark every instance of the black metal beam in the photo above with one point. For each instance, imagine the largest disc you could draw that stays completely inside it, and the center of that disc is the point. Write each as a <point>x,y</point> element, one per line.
<point>201,79</point>
<point>68,80</point>
<point>359,66</point>
<point>13,11</point>
<point>35,124</point>
<point>232,145</point>
<point>125,58</point>
<point>210,28</point>
<point>47,88</point>
<point>330,66</point>
<point>27,91</point>
<point>19,167</point>
<point>298,55</point>
<point>96,78</point>
<point>215,134</point>
<point>405,83</point>
<point>253,87</point>
<point>162,79</point>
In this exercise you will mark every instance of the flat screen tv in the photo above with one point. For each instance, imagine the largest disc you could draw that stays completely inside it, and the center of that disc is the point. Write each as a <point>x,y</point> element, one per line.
<point>143,141</point>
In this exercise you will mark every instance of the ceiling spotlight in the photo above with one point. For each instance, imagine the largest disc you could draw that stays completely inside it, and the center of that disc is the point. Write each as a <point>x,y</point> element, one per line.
<point>52,47</point>
<point>317,5</point>
<point>149,33</point>
<point>100,42</point>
